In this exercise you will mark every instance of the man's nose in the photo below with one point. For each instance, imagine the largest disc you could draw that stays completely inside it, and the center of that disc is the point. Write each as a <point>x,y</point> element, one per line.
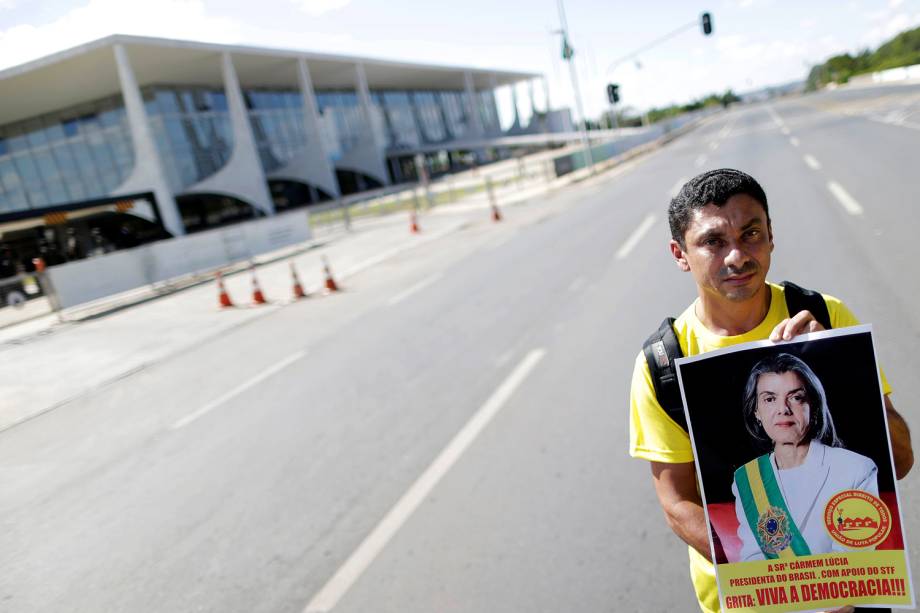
<point>736,257</point>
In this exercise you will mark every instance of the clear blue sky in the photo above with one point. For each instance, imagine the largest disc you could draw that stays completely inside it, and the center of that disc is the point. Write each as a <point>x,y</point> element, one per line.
<point>756,42</point>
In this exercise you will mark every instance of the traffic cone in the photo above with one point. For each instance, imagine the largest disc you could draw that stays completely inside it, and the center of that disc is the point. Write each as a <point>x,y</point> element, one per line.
<point>413,222</point>
<point>257,296</point>
<point>496,214</point>
<point>298,287</point>
<point>223,298</point>
<point>331,285</point>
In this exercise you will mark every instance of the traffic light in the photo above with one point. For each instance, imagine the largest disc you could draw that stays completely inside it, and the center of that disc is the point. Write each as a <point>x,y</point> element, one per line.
<point>706,23</point>
<point>613,93</point>
<point>567,50</point>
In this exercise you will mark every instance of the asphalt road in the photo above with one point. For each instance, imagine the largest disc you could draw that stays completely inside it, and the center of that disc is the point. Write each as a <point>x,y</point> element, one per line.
<point>242,475</point>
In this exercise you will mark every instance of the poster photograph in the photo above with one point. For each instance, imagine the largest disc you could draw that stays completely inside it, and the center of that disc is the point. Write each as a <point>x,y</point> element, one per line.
<point>796,474</point>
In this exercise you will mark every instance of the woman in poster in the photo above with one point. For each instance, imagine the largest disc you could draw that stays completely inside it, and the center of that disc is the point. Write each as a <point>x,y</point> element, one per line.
<point>780,496</point>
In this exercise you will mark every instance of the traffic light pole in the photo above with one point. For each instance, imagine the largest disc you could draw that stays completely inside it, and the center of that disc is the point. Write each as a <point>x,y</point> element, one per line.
<point>613,116</point>
<point>568,55</point>
<point>704,22</point>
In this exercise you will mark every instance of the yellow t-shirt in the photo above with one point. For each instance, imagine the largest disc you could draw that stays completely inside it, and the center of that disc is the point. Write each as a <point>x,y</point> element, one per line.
<point>654,436</point>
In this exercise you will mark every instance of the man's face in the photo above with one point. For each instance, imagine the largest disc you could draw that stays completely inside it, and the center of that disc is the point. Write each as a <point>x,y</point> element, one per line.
<point>727,248</point>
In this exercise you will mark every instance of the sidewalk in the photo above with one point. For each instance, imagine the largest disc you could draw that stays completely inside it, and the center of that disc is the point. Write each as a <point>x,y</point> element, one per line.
<point>48,362</point>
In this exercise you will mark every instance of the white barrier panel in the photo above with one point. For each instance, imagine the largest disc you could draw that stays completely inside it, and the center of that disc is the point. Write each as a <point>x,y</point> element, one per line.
<point>94,278</point>
<point>905,73</point>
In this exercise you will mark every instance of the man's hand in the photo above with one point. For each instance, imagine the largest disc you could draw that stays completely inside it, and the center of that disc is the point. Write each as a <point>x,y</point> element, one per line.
<point>803,323</point>
<point>675,485</point>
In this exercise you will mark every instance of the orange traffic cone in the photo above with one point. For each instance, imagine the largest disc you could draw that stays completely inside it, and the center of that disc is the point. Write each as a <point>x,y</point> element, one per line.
<point>257,296</point>
<point>496,214</point>
<point>223,298</point>
<point>413,222</point>
<point>331,285</point>
<point>298,287</point>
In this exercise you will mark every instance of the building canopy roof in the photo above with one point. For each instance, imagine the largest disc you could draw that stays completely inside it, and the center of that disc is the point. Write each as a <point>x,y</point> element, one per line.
<point>88,72</point>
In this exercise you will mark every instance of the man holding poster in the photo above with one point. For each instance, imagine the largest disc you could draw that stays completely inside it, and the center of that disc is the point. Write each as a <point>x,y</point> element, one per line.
<point>721,234</point>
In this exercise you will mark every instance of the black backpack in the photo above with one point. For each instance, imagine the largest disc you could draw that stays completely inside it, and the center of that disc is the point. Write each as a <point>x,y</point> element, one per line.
<point>662,348</point>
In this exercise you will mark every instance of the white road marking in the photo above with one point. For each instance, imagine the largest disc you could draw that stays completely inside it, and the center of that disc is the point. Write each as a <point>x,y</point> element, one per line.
<point>414,288</point>
<point>375,542</point>
<point>676,187</point>
<point>636,236</point>
<point>700,160</point>
<point>714,145</point>
<point>239,389</point>
<point>725,131</point>
<point>784,130</point>
<point>812,162</point>
<point>847,201</point>
<point>776,118</point>
<point>793,141</point>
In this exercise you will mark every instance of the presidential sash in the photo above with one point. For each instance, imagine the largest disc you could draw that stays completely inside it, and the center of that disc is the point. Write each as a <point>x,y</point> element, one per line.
<point>766,511</point>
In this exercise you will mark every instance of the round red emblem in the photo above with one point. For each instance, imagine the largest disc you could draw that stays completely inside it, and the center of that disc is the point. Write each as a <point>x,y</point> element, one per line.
<point>857,519</point>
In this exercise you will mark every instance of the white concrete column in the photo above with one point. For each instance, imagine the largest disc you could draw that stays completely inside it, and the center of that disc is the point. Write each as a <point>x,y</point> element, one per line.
<point>367,105</point>
<point>248,179</point>
<point>148,173</point>
<point>546,94</point>
<point>475,117</point>
<point>314,132</point>
<point>514,104</point>
<point>369,156</point>
<point>533,97</point>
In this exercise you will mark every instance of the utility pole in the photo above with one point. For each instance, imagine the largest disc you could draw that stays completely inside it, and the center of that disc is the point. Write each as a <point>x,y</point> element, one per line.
<point>568,54</point>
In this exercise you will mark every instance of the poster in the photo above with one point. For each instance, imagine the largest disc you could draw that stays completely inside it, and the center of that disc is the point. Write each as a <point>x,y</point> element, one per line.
<point>796,474</point>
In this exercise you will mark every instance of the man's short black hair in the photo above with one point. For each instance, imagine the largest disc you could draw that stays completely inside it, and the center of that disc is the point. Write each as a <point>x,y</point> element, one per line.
<point>712,187</point>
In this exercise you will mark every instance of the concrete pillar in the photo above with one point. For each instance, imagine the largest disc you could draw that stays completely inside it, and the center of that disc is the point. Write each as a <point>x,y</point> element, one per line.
<point>148,173</point>
<point>377,139</point>
<point>473,106</point>
<point>533,98</point>
<point>311,121</point>
<point>367,105</point>
<point>514,104</point>
<point>251,182</point>
<point>546,94</point>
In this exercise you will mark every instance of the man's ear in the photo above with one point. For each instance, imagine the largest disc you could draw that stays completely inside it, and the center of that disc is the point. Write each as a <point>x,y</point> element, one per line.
<point>679,257</point>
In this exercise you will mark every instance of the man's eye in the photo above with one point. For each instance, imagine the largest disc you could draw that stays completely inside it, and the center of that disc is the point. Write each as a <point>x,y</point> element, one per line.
<point>712,242</point>
<point>753,234</point>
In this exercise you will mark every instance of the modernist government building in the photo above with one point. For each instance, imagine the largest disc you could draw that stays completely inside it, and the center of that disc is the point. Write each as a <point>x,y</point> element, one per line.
<point>130,139</point>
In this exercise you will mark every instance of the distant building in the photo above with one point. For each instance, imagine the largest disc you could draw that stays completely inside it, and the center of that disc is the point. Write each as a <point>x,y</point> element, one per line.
<point>128,139</point>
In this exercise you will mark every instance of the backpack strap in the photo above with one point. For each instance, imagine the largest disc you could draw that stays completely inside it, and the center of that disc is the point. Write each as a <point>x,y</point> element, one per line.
<point>800,299</point>
<point>661,349</point>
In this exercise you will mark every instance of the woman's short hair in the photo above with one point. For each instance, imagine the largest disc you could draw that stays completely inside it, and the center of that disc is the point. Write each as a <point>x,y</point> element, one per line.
<point>821,424</point>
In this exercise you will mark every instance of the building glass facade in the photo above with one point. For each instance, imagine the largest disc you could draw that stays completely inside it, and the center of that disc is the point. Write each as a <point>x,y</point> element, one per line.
<point>277,120</point>
<point>192,129</point>
<point>401,128</point>
<point>71,156</point>
<point>341,113</point>
<point>488,110</point>
<point>85,152</point>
